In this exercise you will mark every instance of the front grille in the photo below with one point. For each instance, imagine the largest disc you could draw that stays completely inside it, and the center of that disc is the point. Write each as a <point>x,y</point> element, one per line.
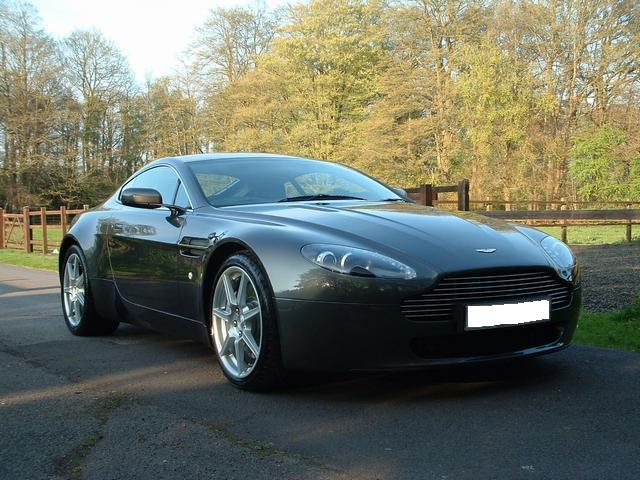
<point>439,303</point>
<point>487,342</point>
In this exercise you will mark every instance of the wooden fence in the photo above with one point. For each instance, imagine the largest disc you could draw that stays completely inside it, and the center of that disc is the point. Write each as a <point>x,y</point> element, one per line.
<point>561,213</point>
<point>428,194</point>
<point>35,230</point>
<point>565,218</point>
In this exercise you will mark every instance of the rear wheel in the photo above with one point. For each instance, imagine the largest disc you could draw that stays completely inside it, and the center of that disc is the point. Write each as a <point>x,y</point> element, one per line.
<point>77,299</point>
<point>243,325</point>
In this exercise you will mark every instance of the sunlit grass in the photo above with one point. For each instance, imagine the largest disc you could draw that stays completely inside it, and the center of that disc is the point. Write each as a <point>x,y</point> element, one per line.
<point>596,235</point>
<point>619,329</point>
<point>33,260</point>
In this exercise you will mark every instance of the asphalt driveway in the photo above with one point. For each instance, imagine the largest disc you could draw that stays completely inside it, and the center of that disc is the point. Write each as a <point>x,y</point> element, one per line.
<point>142,405</point>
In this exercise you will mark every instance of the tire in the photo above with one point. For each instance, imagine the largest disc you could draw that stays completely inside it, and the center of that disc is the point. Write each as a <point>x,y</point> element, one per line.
<point>78,305</point>
<point>239,327</point>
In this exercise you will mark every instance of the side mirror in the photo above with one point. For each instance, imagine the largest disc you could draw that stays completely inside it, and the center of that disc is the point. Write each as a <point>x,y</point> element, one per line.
<point>400,191</point>
<point>141,198</point>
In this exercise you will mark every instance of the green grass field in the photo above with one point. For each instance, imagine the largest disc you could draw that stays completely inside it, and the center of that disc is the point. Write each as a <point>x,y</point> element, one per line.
<point>54,235</point>
<point>597,235</point>
<point>32,260</point>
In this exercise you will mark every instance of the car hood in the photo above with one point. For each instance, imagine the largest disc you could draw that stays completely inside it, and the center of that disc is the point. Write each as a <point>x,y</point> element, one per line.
<point>443,240</point>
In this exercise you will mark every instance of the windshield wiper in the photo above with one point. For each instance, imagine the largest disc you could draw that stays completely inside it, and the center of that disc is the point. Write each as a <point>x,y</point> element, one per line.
<point>322,196</point>
<point>392,200</point>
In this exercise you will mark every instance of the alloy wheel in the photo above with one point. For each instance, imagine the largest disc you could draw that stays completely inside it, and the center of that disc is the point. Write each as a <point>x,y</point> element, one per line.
<point>236,323</point>
<point>73,284</point>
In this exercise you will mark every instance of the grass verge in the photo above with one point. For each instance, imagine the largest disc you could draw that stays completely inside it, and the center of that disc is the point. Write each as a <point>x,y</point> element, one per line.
<point>33,260</point>
<point>594,235</point>
<point>619,329</point>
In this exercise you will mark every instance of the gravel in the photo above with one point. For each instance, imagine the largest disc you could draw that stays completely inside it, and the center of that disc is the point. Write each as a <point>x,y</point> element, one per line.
<point>611,275</point>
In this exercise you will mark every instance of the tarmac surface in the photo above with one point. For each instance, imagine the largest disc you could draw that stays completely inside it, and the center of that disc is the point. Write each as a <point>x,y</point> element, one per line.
<point>139,405</point>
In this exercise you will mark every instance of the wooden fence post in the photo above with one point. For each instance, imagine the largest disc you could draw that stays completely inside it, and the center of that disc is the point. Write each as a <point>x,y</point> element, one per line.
<point>43,225</point>
<point>628,232</point>
<point>63,220</point>
<point>563,206</point>
<point>26,223</point>
<point>463,195</point>
<point>85,207</point>
<point>1,228</point>
<point>426,194</point>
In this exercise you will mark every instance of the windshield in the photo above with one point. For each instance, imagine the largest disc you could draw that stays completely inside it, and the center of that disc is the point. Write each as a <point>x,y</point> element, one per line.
<point>244,181</point>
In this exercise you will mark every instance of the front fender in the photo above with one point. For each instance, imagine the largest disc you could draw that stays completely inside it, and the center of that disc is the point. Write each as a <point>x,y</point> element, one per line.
<point>277,248</point>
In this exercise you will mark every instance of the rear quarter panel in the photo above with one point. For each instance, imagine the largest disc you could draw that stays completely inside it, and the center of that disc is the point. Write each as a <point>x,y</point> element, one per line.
<point>89,230</point>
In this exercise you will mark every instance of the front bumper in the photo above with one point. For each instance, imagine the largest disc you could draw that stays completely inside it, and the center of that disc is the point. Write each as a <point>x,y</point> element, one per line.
<point>338,337</point>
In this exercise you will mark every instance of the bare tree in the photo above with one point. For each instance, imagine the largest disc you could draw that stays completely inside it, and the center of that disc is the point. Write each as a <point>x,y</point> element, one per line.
<point>30,93</point>
<point>100,75</point>
<point>230,42</point>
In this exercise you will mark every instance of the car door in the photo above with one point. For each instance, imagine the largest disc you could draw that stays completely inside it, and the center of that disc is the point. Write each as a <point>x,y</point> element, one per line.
<point>143,244</point>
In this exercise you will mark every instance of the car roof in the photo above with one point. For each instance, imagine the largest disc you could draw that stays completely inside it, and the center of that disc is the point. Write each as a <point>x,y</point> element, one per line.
<point>227,156</point>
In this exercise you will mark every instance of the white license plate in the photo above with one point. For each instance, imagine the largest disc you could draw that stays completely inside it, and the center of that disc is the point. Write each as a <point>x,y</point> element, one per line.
<point>504,314</point>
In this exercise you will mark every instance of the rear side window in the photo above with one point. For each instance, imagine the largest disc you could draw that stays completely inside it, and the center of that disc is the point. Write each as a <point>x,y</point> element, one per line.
<point>162,179</point>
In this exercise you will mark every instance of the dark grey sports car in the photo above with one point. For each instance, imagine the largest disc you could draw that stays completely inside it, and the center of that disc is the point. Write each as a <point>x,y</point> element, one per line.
<point>283,264</point>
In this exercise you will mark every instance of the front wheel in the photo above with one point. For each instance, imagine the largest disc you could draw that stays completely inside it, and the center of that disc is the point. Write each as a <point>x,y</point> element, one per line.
<point>243,330</point>
<point>77,299</point>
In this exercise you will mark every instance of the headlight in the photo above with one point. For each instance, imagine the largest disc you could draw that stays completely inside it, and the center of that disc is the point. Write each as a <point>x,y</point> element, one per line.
<point>561,256</point>
<point>356,261</point>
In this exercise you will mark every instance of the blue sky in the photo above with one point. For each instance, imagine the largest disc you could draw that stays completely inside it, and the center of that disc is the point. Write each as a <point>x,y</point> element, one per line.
<point>152,34</point>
